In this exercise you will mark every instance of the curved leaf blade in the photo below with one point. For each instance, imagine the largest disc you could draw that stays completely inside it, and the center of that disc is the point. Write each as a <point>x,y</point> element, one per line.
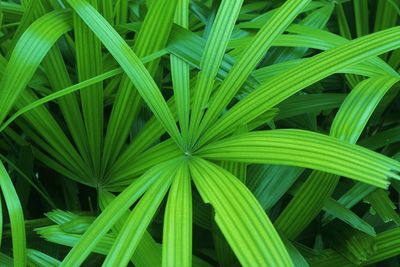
<point>305,149</point>
<point>27,56</point>
<point>239,216</point>
<point>16,217</point>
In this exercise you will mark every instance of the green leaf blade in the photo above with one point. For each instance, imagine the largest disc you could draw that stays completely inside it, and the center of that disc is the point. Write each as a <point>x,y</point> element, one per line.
<point>242,221</point>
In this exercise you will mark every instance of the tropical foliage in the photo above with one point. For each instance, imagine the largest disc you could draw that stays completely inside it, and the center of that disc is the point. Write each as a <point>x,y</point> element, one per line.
<point>199,133</point>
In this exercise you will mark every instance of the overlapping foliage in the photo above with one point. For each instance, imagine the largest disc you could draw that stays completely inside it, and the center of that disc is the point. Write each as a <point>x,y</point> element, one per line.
<point>199,133</point>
